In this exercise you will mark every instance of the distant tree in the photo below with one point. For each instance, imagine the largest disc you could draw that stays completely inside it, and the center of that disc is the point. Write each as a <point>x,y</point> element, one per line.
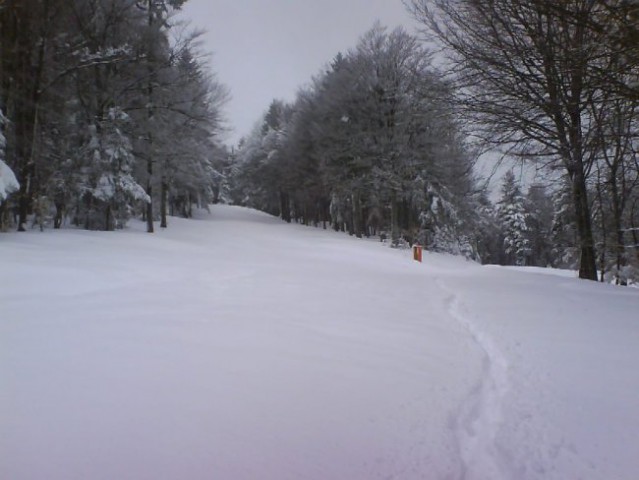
<point>512,216</point>
<point>188,118</point>
<point>305,182</point>
<point>565,244</point>
<point>487,234</point>
<point>261,160</point>
<point>155,51</point>
<point>539,220</point>
<point>110,178</point>
<point>372,146</point>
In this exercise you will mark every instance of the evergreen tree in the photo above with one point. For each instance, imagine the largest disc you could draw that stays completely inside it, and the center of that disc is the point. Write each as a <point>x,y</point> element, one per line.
<point>110,185</point>
<point>99,100</point>
<point>8,181</point>
<point>512,217</point>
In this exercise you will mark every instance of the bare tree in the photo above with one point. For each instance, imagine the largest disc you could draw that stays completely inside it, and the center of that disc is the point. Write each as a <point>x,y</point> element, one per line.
<point>528,73</point>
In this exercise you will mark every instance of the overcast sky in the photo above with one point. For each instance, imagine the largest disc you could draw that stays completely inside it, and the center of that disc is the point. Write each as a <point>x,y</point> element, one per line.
<point>266,49</point>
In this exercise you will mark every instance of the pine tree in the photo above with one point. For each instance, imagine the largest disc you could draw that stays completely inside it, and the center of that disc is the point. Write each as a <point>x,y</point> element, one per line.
<point>512,216</point>
<point>111,186</point>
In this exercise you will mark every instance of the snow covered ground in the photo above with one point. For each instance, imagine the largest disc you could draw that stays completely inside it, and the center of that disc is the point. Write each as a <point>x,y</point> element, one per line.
<point>238,347</point>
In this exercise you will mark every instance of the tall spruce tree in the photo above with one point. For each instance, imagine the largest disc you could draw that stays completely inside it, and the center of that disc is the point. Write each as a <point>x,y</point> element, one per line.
<point>512,216</point>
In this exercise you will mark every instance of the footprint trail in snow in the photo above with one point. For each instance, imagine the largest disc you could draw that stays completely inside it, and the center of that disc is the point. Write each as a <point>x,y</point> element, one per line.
<point>480,415</point>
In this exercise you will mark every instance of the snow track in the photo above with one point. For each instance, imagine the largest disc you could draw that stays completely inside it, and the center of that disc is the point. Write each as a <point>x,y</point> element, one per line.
<point>480,416</point>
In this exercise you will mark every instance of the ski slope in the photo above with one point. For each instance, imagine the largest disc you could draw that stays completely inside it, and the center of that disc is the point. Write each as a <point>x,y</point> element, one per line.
<point>235,346</point>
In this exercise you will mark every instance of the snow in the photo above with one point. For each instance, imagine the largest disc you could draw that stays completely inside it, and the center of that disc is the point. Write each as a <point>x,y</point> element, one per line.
<point>8,181</point>
<point>236,346</point>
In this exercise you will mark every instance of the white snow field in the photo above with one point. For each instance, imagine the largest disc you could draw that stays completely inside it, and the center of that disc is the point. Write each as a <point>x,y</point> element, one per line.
<point>235,346</point>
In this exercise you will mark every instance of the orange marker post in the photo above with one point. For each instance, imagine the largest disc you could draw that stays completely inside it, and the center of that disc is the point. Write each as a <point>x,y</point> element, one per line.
<point>417,252</point>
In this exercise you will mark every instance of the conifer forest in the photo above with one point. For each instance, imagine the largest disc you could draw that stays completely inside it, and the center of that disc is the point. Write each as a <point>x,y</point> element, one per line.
<point>112,111</point>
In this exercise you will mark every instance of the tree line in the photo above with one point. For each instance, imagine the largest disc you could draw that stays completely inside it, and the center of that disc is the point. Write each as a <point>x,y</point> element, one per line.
<point>383,142</point>
<point>371,147</point>
<point>108,111</point>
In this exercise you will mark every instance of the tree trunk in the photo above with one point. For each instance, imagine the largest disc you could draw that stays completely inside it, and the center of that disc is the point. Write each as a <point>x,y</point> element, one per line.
<point>4,216</point>
<point>149,205</point>
<point>108,221</point>
<point>325,213</point>
<point>59,213</point>
<point>88,213</point>
<point>634,228</point>
<point>617,210</point>
<point>149,165</point>
<point>358,219</point>
<point>394,220</point>
<point>26,106</point>
<point>163,202</point>
<point>285,206</point>
<point>26,127</point>
<point>588,260</point>
<point>325,207</point>
<point>604,231</point>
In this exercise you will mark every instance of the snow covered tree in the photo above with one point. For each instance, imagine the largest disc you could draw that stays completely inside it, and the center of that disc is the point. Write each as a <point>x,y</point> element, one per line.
<point>111,190</point>
<point>187,116</point>
<point>261,160</point>
<point>65,68</point>
<point>372,146</point>
<point>8,181</point>
<point>394,74</point>
<point>487,232</point>
<point>512,216</point>
<point>304,182</point>
<point>565,251</point>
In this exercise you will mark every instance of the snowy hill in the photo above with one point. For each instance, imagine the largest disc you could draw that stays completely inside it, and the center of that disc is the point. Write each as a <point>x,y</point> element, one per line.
<point>239,347</point>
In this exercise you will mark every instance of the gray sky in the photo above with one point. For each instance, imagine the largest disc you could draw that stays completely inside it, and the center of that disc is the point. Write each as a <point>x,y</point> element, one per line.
<point>265,49</point>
